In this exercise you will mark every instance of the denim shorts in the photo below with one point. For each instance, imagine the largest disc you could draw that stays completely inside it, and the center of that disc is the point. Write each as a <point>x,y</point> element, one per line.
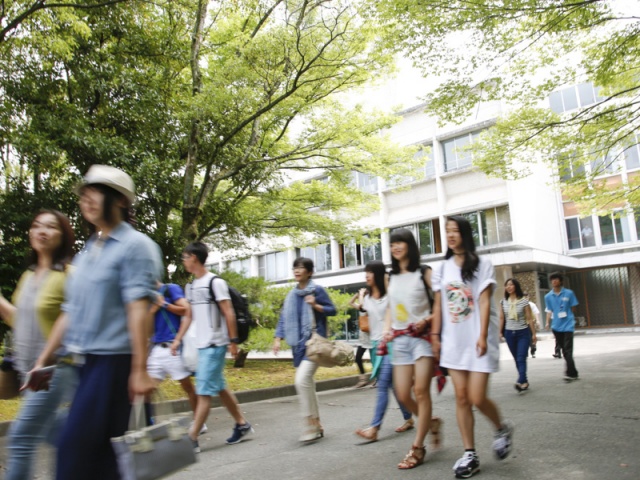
<point>406,350</point>
<point>210,373</point>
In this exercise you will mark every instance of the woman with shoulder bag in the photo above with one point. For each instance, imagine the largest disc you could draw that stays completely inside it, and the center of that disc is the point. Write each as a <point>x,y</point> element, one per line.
<point>306,306</point>
<point>374,302</point>
<point>516,323</point>
<point>35,308</point>
<point>364,336</point>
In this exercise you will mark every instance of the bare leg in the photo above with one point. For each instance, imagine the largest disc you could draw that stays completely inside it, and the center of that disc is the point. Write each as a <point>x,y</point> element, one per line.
<point>202,412</point>
<point>423,369</point>
<point>189,389</point>
<point>402,384</point>
<point>477,390</point>
<point>230,402</point>
<point>464,413</point>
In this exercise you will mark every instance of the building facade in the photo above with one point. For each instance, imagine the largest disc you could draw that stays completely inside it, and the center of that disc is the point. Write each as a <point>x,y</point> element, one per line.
<point>525,227</point>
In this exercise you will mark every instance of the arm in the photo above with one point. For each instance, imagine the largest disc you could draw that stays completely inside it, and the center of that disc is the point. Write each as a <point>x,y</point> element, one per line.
<point>436,326</point>
<point>321,302</point>
<point>53,342</point>
<point>226,309</point>
<point>138,320</point>
<point>548,323</point>
<point>354,302</point>
<point>485,309</point>
<point>502,321</point>
<point>7,311</point>
<point>184,326</point>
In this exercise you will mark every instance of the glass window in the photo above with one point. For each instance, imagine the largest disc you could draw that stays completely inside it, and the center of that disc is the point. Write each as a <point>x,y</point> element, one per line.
<point>273,266</point>
<point>569,98</point>
<point>455,157</point>
<point>614,229</point>
<point>321,256</point>
<point>586,232</point>
<point>555,100</point>
<point>411,228</point>
<point>425,238</point>
<point>586,94</point>
<point>603,165</point>
<point>503,217</point>
<point>282,267</point>
<point>631,157</point>
<point>580,233</point>
<point>365,182</point>
<point>475,226</point>
<point>372,252</point>
<point>241,266</point>
<point>350,255</point>
<point>573,233</point>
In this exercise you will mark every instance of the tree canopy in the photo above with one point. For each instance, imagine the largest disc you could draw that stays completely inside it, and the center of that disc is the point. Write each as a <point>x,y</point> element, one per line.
<point>521,52</point>
<point>211,106</point>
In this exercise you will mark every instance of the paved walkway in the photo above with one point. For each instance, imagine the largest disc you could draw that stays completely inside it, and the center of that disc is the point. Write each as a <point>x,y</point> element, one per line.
<point>588,429</point>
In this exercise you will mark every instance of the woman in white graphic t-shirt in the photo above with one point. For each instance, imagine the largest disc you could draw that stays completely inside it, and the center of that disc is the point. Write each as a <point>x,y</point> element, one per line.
<point>465,337</point>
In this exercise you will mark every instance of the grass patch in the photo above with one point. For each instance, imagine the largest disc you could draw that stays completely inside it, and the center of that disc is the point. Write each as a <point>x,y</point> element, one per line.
<point>256,374</point>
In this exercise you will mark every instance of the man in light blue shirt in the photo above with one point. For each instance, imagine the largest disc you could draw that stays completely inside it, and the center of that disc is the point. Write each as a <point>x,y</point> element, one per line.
<point>560,307</point>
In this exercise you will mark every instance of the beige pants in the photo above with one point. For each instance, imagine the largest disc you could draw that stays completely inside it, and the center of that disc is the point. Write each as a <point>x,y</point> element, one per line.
<point>306,388</point>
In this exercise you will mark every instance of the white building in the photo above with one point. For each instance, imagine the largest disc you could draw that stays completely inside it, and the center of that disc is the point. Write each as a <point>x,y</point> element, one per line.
<point>525,227</point>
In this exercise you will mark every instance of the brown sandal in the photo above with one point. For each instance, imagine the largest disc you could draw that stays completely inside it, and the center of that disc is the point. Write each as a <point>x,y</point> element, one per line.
<point>407,425</point>
<point>436,434</point>
<point>370,434</point>
<point>414,458</point>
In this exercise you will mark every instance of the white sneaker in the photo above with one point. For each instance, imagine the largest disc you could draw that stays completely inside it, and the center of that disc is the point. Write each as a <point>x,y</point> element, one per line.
<point>203,430</point>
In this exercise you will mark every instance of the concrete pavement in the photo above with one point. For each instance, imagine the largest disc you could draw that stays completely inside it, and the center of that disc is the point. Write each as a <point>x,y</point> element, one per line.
<point>589,429</point>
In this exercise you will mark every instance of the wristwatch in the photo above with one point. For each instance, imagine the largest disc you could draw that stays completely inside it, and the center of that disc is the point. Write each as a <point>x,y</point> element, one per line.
<point>166,305</point>
<point>234,340</point>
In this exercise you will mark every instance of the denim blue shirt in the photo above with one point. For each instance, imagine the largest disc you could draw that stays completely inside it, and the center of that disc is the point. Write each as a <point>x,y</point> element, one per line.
<point>108,275</point>
<point>559,304</point>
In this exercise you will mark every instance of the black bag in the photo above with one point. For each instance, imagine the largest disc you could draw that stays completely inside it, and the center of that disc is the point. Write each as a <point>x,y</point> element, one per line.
<point>244,322</point>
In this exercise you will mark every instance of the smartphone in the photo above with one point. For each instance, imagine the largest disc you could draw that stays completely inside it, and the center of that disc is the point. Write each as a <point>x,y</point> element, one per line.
<point>37,380</point>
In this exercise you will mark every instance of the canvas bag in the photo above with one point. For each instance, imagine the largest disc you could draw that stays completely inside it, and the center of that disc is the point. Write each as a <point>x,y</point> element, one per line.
<point>149,453</point>
<point>328,353</point>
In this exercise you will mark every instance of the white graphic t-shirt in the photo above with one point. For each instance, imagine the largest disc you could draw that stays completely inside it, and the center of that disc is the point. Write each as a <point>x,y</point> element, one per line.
<point>210,326</point>
<point>461,318</point>
<point>407,299</point>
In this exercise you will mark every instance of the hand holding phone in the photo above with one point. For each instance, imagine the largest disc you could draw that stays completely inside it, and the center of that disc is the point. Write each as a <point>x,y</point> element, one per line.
<point>38,379</point>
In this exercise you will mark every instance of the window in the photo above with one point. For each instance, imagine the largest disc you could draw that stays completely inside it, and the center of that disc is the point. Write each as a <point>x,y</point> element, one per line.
<point>491,226</point>
<point>455,155</point>
<point>241,266</point>
<point>573,97</point>
<point>614,229</point>
<point>427,235</point>
<point>580,233</point>
<point>273,266</point>
<point>353,254</point>
<point>365,182</point>
<point>429,165</point>
<point>632,159</point>
<point>571,168</point>
<point>605,165</point>
<point>320,254</point>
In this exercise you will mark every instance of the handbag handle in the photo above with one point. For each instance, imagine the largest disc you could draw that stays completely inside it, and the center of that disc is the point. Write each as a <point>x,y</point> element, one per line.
<point>137,417</point>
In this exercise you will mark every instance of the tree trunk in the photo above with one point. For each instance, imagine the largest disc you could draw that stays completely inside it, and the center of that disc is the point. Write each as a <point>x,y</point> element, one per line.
<point>240,358</point>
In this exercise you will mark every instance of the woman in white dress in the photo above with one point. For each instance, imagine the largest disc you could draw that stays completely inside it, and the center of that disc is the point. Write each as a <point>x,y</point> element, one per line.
<point>465,336</point>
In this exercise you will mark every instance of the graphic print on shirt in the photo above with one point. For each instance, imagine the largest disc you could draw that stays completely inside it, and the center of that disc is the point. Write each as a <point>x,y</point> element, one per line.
<point>402,315</point>
<point>200,295</point>
<point>459,301</point>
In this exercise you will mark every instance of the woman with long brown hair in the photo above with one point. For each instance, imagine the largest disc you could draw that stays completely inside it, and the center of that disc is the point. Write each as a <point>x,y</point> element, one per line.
<point>35,306</point>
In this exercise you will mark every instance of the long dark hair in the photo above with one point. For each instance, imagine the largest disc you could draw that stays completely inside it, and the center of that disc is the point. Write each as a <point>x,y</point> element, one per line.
<point>64,253</point>
<point>471,259</point>
<point>404,235</point>
<point>111,196</point>
<point>379,271</point>
<point>518,287</point>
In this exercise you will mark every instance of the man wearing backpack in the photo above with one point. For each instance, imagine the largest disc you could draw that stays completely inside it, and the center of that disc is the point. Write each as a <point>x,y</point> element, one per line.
<point>216,331</point>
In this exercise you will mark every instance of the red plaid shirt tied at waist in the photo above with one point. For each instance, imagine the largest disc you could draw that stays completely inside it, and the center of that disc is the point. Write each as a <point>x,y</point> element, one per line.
<point>412,331</point>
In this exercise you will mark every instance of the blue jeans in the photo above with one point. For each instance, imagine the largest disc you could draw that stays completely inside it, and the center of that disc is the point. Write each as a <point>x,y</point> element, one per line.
<point>519,341</point>
<point>37,421</point>
<point>385,382</point>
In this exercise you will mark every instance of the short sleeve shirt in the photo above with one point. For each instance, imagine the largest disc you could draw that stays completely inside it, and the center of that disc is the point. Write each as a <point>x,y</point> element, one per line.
<point>407,299</point>
<point>163,317</point>
<point>461,318</point>
<point>559,304</point>
<point>210,325</point>
<point>108,275</point>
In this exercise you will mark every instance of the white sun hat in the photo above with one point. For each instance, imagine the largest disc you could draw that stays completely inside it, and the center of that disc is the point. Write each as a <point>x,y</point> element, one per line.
<point>111,177</point>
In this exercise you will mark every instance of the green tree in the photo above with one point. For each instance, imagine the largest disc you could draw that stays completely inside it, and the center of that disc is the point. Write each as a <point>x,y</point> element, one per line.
<point>520,51</point>
<point>213,107</point>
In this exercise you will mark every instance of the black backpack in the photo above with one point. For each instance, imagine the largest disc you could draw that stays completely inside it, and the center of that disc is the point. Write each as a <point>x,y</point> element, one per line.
<point>244,322</point>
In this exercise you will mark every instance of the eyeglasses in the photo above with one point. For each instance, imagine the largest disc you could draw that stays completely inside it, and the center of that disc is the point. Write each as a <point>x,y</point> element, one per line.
<point>186,256</point>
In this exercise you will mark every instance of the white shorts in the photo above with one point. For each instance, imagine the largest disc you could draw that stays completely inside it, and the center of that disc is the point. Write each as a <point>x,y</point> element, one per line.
<point>406,350</point>
<point>161,363</point>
